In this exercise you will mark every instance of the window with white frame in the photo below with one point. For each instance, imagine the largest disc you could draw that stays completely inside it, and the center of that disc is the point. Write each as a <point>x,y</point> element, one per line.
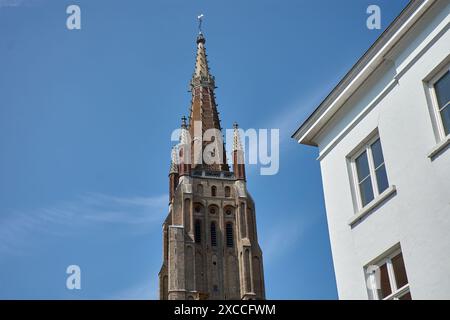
<point>440,93</point>
<point>369,172</point>
<point>387,279</point>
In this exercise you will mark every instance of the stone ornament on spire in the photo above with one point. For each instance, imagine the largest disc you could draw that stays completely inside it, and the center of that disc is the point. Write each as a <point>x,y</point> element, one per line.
<point>184,149</point>
<point>237,145</point>
<point>174,161</point>
<point>238,155</point>
<point>173,173</point>
<point>183,122</point>
<point>184,138</point>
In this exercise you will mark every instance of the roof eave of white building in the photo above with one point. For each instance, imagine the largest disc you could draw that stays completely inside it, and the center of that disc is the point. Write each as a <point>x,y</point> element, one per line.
<point>362,70</point>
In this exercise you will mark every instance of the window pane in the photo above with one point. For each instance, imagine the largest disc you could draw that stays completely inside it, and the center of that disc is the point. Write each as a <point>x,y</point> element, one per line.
<point>399,271</point>
<point>385,287</point>
<point>362,166</point>
<point>442,88</point>
<point>406,296</point>
<point>366,191</point>
<point>377,153</point>
<point>382,180</point>
<point>445,115</point>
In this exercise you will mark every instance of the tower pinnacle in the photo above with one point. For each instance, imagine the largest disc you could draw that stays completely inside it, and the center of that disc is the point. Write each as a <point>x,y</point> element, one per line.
<point>183,122</point>
<point>237,145</point>
<point>174,161</point>
<point>238,155</point>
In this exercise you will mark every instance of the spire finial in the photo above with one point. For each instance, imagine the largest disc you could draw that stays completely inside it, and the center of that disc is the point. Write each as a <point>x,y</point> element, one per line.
<point>200,37</point>
<point>183,122</point>
<point>200,20</point>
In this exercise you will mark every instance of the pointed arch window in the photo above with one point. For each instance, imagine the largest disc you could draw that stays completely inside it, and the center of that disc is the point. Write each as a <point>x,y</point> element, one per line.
<point>198,231</point>
<point>213,191</point>
<point>229,234</point>
<point>213,234</point>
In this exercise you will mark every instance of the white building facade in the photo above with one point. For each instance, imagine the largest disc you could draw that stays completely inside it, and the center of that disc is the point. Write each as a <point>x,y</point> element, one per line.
<point>383,136</point>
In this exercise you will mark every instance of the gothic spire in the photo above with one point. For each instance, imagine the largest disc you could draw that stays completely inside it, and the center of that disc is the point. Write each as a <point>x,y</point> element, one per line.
<point>204,109</point>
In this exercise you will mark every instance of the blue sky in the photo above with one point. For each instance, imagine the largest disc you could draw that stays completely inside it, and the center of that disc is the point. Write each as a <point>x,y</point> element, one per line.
<point>85,124</point>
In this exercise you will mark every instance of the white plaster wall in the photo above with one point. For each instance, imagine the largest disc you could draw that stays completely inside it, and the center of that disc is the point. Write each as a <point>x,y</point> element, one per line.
<point>418,215</point>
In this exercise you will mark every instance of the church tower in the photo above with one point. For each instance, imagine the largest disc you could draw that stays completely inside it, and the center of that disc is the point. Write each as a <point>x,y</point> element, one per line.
<point>210,243</point>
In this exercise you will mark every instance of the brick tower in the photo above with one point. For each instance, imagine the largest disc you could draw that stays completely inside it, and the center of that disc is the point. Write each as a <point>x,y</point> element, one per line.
<point>210,244</point>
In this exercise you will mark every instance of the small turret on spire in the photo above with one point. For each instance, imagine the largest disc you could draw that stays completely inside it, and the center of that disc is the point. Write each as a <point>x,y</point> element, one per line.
<point>238,155</point>
<point>183,122</point>
<point>184,139</point>
<point>173,173</point>
<point>237,145</point>
<point>174,161</point>
<point>184,150</point>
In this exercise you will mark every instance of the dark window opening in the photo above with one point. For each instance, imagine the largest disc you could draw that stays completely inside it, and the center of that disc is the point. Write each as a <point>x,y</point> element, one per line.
<point>213,234</point>
<point>401,278</point>
<point>227,192</point>
<point>198,230</point>
<point>229,233</point>
<point>385,289</point>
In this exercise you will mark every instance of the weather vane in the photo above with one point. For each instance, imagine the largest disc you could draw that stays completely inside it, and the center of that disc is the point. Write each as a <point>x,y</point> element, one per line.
<point>200,19</point>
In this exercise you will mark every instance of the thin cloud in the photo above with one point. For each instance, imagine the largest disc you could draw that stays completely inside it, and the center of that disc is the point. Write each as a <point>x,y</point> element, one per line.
<point>135,215</point>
